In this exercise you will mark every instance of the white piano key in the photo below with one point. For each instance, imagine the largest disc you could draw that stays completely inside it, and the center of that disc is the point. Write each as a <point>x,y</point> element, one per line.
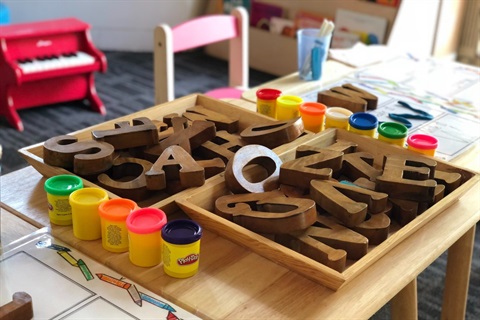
<point>80,59</point>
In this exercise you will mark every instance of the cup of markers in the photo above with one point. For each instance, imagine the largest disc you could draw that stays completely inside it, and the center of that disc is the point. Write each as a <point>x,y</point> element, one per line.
<point>312,47</point>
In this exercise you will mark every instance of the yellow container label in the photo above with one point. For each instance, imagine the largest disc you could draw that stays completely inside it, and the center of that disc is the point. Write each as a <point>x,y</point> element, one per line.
<point>145,250</point>
<point>398,142</point>
<point>266,107</point>
<point>369,133</point>
<point>181,261</point>
<point>59,210</point>
<point>114,235</point>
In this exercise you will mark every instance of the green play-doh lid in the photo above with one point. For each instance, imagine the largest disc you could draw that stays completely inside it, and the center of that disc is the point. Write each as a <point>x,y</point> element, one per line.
<point>63,185</point>
<point>392,130</point>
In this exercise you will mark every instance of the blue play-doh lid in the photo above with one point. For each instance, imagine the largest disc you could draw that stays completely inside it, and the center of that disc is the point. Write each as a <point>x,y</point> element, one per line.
<point>181,231</point>
<point>363,121</point>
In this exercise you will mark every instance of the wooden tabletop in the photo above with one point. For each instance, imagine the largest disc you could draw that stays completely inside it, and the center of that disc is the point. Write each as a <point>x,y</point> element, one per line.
<point>234,282</point>
<point>291,84</point>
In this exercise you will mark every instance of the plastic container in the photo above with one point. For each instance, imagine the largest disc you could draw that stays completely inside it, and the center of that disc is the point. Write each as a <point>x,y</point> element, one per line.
<point>85,217</point>
<point>288,107</point>
<point>181,248</point>
<point>422,143</point>
<point>267,101</point>
<point>58,190</point>
<point>337,117</point>
<point>392,132</point>
<point>113,216</point>
<point>144,236</point>
<point>313,116</point>
<point>312,52</point>
<point>363,123</point>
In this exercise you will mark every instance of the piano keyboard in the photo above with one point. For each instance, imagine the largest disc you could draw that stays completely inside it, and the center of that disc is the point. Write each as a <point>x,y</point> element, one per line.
<point>55,62</point>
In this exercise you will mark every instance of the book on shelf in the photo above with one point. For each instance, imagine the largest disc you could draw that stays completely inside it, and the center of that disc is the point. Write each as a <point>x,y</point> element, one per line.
<point>369,28</point>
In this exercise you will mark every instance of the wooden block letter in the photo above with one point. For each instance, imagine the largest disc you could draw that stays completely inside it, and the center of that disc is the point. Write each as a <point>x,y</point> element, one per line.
<point>267,212</point>
<point>408,178</point>
<point>307,245</point>
<point>127,178</point>
<point>273,135</point>
<point>142,132</point>
<point>375,228</point>
<point>348,97</point>
<point>192,136</point>
<point>328,231</point>
<point>175,164</point>
<point>85,157</point>
<point>359,165</point>
<point>19,308</point>
<point>327,195</point>
<point>301,171</point>
<point>235,177</point>
<point>223,145</point>
<point>221,121</point>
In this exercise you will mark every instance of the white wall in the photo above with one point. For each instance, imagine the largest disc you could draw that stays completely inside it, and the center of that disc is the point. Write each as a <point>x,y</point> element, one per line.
<point>125,25</point>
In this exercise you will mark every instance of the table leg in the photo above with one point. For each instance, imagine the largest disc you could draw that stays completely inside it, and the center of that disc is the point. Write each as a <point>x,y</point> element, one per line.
<point>404,304</point>
<point>457,276</point>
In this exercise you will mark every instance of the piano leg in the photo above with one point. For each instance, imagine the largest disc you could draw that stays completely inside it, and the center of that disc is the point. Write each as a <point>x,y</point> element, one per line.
<point>7,108</point>
<point>92,96</point>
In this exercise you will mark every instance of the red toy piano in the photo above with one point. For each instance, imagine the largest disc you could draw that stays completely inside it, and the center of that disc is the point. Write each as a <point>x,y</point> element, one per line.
<point>47,62</point>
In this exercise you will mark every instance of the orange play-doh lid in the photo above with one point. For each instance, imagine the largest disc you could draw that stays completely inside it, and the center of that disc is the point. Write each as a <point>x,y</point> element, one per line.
<point>116,209</point>
<point>313,108</point>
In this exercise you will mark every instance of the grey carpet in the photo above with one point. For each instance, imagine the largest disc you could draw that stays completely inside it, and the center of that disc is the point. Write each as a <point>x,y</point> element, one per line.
<point>128,87</point>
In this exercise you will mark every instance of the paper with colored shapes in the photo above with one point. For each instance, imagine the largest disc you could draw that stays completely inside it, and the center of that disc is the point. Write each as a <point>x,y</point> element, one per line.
<point>66,284</point>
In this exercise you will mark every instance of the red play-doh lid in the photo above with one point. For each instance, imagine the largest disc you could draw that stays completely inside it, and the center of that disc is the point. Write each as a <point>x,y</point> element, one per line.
<point>422,141</point>
<point>146,220</point>
<point>268,94</point>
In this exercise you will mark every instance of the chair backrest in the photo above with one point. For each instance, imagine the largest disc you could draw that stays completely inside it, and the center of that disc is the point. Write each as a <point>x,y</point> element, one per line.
<point>196,33</point>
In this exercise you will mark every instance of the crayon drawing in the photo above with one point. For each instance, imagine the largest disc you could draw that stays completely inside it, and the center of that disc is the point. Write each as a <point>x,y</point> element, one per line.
<point>66,284</point>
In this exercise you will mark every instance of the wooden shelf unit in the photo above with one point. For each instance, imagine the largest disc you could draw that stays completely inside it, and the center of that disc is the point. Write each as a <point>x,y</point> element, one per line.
<point>277,54</point>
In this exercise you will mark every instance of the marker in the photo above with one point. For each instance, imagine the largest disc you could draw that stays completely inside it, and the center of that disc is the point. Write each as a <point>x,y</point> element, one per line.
<point>171,316</point>
<point>58,247</point>
<point>112,280</point>
<point>156,302</point>
<point>49,245</point>
<point>135,295</point>
<point>86,272</point>
<point>132,290</point>
<point>65,255</point>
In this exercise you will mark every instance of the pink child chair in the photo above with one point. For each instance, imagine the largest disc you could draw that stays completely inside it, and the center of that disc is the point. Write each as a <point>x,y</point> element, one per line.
<point>197,33</point>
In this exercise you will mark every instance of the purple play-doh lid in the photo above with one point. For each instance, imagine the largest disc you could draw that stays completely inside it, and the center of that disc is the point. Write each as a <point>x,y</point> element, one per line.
<point>181,231</point>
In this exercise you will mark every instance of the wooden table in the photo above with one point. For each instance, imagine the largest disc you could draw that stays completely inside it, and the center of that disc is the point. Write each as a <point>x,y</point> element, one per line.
<point>234,282</point>
<point>291,84</point>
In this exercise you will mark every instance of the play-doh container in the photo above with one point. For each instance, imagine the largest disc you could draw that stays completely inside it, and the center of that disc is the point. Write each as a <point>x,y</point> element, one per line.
<point>267,101</point>
<point>422,143</point>
<point>113,216</point>
<point>337,117</point>
<point>144,233</point>
<point>392,132</point>
<point>58,189</point>
<point>288,107</point>
<point>181,248</point>
<point>85,217</point>
<point>313,115</point>
<point>363,123</point>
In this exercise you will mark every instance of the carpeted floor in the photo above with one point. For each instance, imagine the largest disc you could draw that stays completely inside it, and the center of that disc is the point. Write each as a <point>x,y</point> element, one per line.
<point>128,87</point>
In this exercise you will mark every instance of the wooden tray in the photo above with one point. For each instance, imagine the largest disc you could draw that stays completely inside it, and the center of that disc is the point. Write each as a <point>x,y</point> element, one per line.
<point>34,154</point>
<point>199,205</point>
